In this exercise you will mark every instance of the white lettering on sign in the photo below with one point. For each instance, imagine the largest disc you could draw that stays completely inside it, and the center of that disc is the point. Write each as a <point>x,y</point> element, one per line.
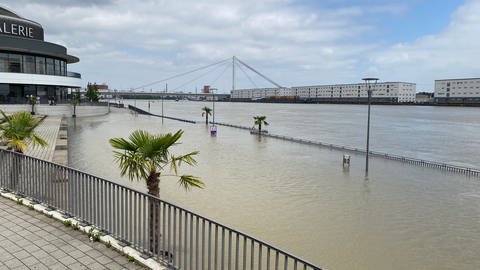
<point>16,29</point>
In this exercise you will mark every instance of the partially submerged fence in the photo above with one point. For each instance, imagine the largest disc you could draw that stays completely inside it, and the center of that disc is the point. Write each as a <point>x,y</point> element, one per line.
<point>140,111</point>
<point>414,161</point>
<point>177,236</point>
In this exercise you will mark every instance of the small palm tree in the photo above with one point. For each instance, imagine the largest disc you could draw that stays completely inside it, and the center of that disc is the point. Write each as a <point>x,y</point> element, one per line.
<point>143,157</point>
<point>18,129</point>
<point>32,100</point>
<point>16,132</point>
<point>258,121</point>
<point>74,102</point>
<point>206,111</point>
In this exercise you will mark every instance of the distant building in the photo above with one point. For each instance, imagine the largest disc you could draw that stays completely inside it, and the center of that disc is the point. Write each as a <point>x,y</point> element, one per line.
<point>31,66</point>
<point>102,87</point>
<point>457,91</point>
<point>206,89</point>
<point>384,92</point>
<point>424,97</point>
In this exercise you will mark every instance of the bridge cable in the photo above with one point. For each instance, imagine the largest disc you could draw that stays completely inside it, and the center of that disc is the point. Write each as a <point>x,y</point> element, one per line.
<point>218,77</point>
<point>260,74</point>
<point>196,78</point>
<point>248,77</point>
<point>181,74</point>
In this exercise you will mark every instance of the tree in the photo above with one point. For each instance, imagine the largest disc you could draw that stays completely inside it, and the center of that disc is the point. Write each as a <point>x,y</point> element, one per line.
<point>18,129</point>
<point>258,121</point>
<point>92,92</point>
<point>206,111</point>
<point>16,132</point>
<point>145,156</point>
<point>74,102</point>
<point>32,100</point>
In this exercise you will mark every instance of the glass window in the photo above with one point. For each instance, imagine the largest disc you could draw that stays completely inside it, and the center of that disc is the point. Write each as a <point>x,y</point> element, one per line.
<point>63,69</point>
<point>57,68</point>
<point>29,64</point>
<point>3,62</point>
<point>50,66</point>
<point>40,65</point>
<point>14,63</point>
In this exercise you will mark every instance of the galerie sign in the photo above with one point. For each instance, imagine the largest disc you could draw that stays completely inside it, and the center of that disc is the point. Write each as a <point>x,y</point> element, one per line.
<point>19,29</point>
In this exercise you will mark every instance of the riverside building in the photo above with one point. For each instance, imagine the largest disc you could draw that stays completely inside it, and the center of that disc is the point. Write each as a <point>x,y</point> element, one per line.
<point>457,91</point>
<point>384,92</point>
<point>31,66</point>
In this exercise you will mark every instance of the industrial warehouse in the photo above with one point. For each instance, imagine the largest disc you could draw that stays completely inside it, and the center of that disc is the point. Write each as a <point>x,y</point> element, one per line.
<point>30,66</point>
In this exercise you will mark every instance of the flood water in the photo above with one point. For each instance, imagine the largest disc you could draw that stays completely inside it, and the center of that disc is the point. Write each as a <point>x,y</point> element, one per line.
<point>301,199</point>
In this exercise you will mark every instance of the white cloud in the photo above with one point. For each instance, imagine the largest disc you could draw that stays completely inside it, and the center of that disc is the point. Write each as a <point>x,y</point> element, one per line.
<point>132,43</point>
<point>451,53</point>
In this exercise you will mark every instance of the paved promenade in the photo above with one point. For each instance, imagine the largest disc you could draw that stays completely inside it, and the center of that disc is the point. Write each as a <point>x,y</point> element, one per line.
<point>30,240</point>
<point>48,130</point>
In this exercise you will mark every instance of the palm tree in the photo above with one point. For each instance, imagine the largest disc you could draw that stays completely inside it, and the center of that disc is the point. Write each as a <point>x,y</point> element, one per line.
<point>144,157</point>
<point>258,121</point>
<point>16,132</point>
<point>74,102</point>
<point>32,100</point>
<point>206,111</point>
<point>18,129</point>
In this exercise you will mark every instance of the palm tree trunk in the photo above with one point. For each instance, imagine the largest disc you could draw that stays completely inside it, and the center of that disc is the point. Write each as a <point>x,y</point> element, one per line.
<point>206,119</point>
<point>259,128</point>
<point>153,186</point>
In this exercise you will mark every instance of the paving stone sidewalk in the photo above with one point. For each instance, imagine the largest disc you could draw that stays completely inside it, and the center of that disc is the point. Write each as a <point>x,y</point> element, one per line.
<point>30,240</point>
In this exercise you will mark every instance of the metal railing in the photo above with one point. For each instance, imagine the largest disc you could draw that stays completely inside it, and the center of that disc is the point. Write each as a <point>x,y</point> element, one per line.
<point>415,161</point>
<point>164,231</point>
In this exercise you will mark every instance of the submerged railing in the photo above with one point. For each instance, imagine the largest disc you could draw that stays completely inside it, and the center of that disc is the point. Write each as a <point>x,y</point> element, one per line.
<point>164,231</point>
<point>414,161</point>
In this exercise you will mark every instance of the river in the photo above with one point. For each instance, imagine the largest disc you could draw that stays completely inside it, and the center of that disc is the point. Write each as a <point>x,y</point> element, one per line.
<point>300,198</point>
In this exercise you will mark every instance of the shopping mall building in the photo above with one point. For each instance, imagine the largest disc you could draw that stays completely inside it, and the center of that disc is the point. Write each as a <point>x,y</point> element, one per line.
<point>31,66</point>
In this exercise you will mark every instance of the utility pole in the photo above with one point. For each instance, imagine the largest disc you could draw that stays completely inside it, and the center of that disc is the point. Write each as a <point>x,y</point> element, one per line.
<point>166,87</point>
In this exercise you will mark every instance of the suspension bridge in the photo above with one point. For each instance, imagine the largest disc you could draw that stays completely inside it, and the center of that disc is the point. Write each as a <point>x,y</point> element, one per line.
<point>179,86</point>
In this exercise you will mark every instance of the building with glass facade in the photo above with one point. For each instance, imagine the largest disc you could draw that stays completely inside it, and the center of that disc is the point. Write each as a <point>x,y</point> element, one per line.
<point>31,66</point>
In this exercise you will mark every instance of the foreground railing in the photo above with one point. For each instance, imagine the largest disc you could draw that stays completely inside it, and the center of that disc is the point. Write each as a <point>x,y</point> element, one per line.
<point>181,238</point>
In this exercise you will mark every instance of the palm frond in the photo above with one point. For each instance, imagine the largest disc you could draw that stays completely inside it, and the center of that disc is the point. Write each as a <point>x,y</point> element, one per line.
<point>18,129</point>
<point>189,181</point>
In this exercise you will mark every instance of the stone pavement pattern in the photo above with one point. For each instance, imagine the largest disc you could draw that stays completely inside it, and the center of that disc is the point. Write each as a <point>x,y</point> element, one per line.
<point>30,240</point>
<point>48,129</point>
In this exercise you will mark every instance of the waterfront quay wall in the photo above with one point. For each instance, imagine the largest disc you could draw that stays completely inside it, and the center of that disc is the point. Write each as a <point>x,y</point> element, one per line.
<point>140,111</point>
<point>58,110</point>
<point>414,161</point>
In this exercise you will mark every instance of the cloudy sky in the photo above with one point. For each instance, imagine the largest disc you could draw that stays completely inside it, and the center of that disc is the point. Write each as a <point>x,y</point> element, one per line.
<point>128,44</point>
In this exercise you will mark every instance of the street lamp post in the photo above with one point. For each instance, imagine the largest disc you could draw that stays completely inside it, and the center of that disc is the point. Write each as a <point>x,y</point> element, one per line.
<point>213,105</point>
<point>368,85</point>
<point>213,129</point>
